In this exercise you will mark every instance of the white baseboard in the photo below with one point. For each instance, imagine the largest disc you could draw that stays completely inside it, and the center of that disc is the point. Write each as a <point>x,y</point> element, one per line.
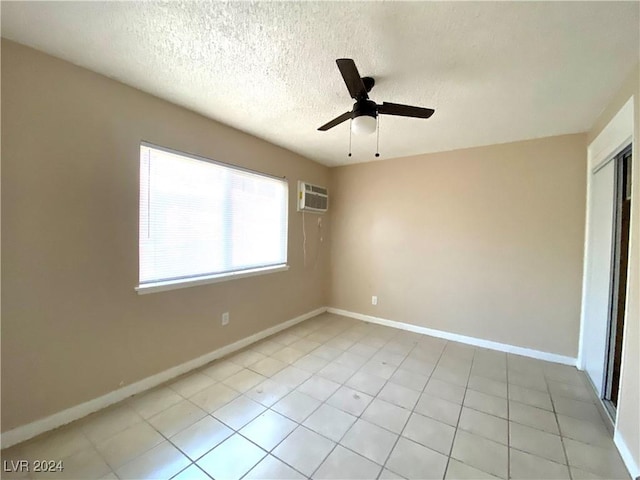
<point>478,342</point>
<point>30,430</point>
<point>627,457</point>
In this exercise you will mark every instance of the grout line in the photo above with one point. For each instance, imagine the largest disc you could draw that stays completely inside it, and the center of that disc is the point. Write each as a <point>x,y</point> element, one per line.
<point>455,432</point>
<point>555,415</point>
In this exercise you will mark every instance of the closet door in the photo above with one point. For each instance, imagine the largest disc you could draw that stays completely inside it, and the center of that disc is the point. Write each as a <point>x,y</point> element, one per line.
<point>598,286</point>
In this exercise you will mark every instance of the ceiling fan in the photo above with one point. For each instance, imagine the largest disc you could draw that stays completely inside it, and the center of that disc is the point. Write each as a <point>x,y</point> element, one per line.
<point>365,112</point>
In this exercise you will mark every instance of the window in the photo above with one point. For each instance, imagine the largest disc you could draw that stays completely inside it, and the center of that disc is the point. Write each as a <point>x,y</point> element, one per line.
<point>201,221</point>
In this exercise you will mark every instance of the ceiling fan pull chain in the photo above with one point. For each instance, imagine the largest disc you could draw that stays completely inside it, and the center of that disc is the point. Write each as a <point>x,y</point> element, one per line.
<point>350,122</point>
<point>377,136</point>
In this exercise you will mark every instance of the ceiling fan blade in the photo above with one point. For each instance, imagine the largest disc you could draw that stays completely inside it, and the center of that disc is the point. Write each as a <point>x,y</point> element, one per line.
<point>351,77</point>
<point>336,121</point>
<point>404,110</point>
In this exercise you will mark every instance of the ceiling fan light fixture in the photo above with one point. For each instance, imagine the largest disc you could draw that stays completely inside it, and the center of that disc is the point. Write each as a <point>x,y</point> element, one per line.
<point>364,125</point>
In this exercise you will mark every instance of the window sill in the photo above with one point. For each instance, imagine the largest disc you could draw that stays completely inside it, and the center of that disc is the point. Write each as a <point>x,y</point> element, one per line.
<point>192,282</point>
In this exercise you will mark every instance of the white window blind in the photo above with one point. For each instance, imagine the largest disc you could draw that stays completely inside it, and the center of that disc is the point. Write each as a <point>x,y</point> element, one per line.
<point>199,218</point>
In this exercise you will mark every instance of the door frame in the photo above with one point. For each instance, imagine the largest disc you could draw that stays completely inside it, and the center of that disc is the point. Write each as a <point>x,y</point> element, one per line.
<point>612,140</point>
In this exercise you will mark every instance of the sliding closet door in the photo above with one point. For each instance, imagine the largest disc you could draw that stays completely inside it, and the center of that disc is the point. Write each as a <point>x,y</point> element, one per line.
<point>598,285</point>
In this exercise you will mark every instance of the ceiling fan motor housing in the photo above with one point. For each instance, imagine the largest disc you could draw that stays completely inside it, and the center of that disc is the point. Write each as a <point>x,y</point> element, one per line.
<point>364,107</point>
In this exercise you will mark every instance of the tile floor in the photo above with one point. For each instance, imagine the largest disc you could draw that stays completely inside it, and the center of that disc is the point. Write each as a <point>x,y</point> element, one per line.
<point>338,398</point>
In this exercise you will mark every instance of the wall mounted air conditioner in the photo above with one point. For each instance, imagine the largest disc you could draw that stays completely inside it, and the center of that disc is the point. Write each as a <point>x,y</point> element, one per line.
<point>312,198</point>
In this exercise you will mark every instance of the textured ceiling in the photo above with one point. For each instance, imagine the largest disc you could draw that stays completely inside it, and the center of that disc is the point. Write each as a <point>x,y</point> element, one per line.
<point>494,72</point>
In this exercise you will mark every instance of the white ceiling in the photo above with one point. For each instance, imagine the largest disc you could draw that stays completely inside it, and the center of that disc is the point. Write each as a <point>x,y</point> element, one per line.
<point>494,72</point>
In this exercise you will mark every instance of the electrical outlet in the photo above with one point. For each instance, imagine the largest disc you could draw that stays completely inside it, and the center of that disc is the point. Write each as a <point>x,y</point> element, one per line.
<point>225,318</point>
<point>374,300</point>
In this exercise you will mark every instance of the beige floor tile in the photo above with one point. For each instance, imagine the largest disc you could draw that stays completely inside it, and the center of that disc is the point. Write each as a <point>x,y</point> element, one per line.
<point>291,376</point>
<point>84,464</point>
<point>484,425</point>
<point>535,381</point>
<point>102,425</point>
<point>330,422</point>
<point>128,444</point>
<point>389,475</point>
<point>304,450</point>
<point>288,355</point>
<point>370,441</point>
<point>387,358</point>
<point>386,415</point>
<point>191,384</point>
<point>486,403</point>
<point>327,353</point>
<point>232,458</point>
<point>176,418</point>
<point>399,395</point>
<point>447,391</point>
<point>350,360</point>
<point>319,337</point>
<point>409,379</point>
<point>201,437</point>
<point>59,443</point>
<point>285,338</point>
<point>270,468</point>
<point>497,373</point>
<point>237,413</point>
<point>244,380</point>
<point>439,409</point>
<point>526,466</point>
<point>535,441</point>
<point>481,453</point>
<point>221,370</point>
<point>192,472</point>
<point>577,409</point>
<point>149,404</point>
<point>488,386</point>
<point>366,351</point>
<point>605,462</point>
<point>449,375</point>
<point>350,401</point>
<point>111,476</point>
<point>268,366</point>
<point>246,358</point>
<point>378,368</point>
<point>576,392</point>
<point>426,431</point>
<point>419,367</point>
<point>310,363</point>
<point>296,406</point>
<point>564,374</point>
<point>161,462</point>
<point>579,474</point>
<point>340,342</point>
<point>266,347</point>
<point>459,471</point>
<point>585,431</point>
<point>533,417</point>
<point>268,392</point>
<point>214,397</point>
<point>342,463</point>
<point>366,383</point>
<point>305,345</point>
<point>529,396</point>
<point>412,460</point>
<point>335,372</point>
<point>319,387</point>
<point>268,429</point>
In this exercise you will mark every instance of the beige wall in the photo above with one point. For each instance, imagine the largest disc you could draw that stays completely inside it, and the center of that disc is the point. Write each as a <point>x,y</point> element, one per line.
<point>72,326</point>
<point>628,421</point>
<point>485,242</point>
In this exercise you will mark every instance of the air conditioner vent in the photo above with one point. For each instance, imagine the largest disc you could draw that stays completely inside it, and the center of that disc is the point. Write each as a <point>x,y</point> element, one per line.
<point>312,198</point>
